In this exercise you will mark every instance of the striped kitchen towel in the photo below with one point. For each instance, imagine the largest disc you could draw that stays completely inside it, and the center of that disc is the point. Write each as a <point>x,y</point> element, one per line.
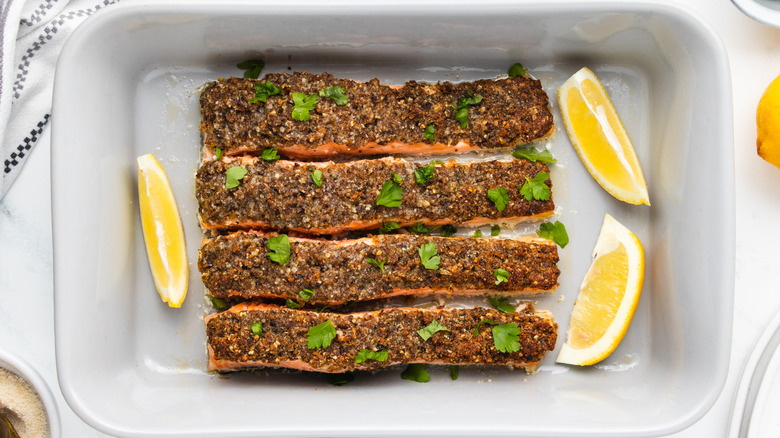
<point>32,33</point>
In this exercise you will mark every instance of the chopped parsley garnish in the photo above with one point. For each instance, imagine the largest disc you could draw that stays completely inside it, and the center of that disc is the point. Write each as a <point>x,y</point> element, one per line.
<point>306,294</point>
<point>388,227</point>
<point>253,68</point>
<point>416,372</point>
<point>270,155</point>
<point>421,229</point>
<point>218,303</point>
<point>428,331</point>
<point>257,328</point>
<point>517,69</point>
<point>293,304</point>
<point>429,131</point>
<point>316,176</point>
<point>448,230</point>
<point>397,178</point>
<point>321,335</point>
<point>321,309</point>
<point>424,174</point>
<point>338,94</point>
<point>532,154</point>
<point>454,371</point>
<point>555,232</point>
<point>502,276</point>
<point>390,195</point>
<point>428,256</point>
<point>495,230</point>
<point>535,188</point>
<point>279,249</point>
<point>477,234</point>
<point>378,263</point>
<point>264,90</point>
<point>366,354</point>
<point>484,321</point>
<point>502,305</point>
<point>462,108</point>
<point>506,337</point>
<point>219,154</point>
<point>233,177</point>
<point>499,196</point>
<point>302,105</point>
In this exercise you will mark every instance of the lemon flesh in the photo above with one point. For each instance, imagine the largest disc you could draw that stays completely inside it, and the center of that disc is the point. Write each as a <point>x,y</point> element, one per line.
<point>598,136</point>
<point>163,232</point>
<point>608,297</point>
<point>768,124</point>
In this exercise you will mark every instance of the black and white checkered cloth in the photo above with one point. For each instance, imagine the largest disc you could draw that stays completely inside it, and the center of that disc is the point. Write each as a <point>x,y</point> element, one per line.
<point>32,33</point>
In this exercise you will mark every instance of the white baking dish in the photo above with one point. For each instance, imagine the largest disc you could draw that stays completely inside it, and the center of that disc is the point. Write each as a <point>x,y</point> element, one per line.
<point>127,84</point>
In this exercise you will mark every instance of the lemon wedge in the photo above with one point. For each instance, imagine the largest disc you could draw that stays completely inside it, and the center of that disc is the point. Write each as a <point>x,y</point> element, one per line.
<point>608,296</point>
<point>163,231</point>
<point>600,139</point>
<point>768,123</point>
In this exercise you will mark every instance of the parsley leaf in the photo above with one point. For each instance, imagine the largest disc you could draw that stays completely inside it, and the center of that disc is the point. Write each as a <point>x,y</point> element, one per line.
<point>390,195</point>
<point>388,227</point>
<point>416,372</point>
<point>264,90</point>
<point>454,371</point>
<point>321,335</point>
<point>462,108</point>
<point>424,174</point>
<point>555,232</point>
<point>506,337</point>
<point>341,379</point>
<point>219,154</point>
<point>338,94</point>
<point>502,305</point>
<point>495,230</point>
<point>306,294</point>
<point>257,328</point>
<point>378,263</point>
<point>316,176</point>
<point>477,234</point>
<point>499,196</point>
<point>270,155</point>
<point>253,68</point>
<point>397,178</point>
<point>517,69</point>
<point>448,230</point>
<point>302,105</point>
<point>484,321</point>
<point>532,154</point>
<point>421,229</point>
<point>366,354</point>
<point>218,303</point>
<point>502,276</point>
<point>233,177</point>
<point>535,188</point>
<point>428,256</point>
<point>429,131</point>
<point>279,249</point>
<point>292,304</point>
<point>428,331</point>
<point>321,309</point>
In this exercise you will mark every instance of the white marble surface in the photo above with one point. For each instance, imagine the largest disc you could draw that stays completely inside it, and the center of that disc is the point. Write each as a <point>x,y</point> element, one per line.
<point>26,302</point>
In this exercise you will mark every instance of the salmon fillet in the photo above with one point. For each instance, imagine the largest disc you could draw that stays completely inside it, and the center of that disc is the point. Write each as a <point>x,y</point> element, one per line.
<point>283,196</point>
<point>377,119</point>
<point>280,338</point>
<point>237,266</point>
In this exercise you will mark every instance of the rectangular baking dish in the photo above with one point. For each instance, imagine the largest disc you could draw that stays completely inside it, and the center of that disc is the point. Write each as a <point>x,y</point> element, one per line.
<point>127,83</point>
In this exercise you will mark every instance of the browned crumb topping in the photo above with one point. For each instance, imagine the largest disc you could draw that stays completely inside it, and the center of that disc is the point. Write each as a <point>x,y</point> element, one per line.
<point>237,266</point>
<point>283,340</point>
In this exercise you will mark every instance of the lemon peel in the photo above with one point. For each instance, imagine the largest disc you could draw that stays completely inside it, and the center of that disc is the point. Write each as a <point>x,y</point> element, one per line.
<point>768,124</point>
